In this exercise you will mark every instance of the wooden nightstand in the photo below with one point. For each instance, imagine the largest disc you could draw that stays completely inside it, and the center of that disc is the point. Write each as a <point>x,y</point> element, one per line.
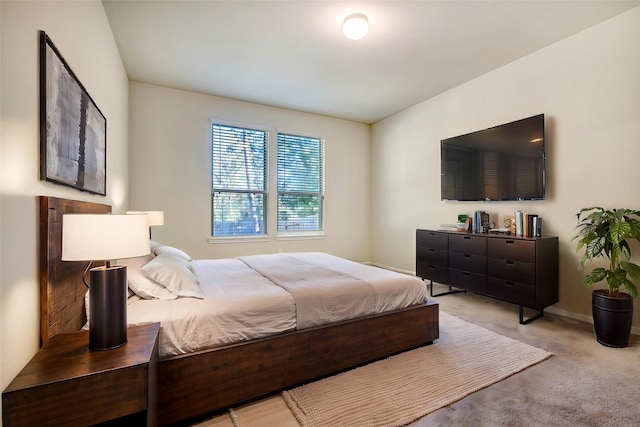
<point>67,384</point>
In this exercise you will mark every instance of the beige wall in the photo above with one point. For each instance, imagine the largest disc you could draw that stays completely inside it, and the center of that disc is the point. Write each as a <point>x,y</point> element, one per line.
<point>588,86</point>
<point>82,34</point>
<point>170,170</point>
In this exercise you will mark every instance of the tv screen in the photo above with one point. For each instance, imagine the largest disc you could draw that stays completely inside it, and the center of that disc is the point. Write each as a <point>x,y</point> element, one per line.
<point>505,162</point>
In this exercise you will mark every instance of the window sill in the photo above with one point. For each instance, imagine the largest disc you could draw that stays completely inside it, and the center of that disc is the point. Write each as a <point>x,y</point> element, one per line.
<point>261,239</point>
<point>239,239</point>
<point>314,235</point>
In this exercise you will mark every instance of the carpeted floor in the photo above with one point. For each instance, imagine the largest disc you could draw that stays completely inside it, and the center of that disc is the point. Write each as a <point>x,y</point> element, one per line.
<point>583,384</point>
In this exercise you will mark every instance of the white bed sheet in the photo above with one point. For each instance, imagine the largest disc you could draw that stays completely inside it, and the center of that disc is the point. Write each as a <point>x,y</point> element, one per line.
<point>240,304</point>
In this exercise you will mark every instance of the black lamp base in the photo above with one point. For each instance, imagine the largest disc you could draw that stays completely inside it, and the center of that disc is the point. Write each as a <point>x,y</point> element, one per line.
<point>107,307</point>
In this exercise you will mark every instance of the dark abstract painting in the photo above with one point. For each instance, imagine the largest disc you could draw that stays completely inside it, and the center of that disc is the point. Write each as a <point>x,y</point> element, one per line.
<point>72,129</point>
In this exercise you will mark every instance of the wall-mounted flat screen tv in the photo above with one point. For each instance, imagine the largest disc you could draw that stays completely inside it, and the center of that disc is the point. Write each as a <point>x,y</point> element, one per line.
<point>505,162</point>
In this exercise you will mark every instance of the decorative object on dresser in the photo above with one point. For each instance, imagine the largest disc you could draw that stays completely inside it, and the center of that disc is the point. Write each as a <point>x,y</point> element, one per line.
<point>95,237</point>
<point>73,130</point>
<point>527,225</point>
<point>522,271</point>
<point>67,384</point>
<point>604,233</point>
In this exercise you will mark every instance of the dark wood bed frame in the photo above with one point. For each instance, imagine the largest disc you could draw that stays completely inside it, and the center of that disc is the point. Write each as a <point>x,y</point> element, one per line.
<point>197,384</point>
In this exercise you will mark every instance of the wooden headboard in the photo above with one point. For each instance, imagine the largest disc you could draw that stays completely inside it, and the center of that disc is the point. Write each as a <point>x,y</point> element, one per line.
<point>61,288</point>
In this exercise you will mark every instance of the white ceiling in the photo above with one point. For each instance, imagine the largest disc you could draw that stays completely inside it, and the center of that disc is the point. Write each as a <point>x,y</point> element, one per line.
<point>292,54</point>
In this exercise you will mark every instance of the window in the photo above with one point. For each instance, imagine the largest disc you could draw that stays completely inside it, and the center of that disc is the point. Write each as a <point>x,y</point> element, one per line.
<point>238,190</point>
<point>300,183</point>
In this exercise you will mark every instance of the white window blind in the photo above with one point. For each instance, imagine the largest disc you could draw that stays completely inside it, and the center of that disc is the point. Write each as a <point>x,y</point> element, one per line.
<point>300,183</point>
<point>239,170</point>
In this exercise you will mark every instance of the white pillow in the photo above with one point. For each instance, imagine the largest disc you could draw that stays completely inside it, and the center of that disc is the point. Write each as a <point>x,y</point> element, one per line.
<point>173,273</point>
<point>154,245</point>
<point>172,251</point>
<point>134,264</point>
<point>146,288</point>
<point>139,284</point>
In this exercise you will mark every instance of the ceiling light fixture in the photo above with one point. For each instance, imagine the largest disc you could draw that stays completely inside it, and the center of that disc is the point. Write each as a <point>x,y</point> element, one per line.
<point>355,26</point>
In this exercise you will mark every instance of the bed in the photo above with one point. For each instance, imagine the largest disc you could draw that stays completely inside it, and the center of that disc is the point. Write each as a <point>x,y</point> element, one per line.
<point>202,380</point>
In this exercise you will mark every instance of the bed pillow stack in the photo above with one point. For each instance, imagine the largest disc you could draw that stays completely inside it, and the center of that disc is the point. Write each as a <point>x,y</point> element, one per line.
<point>166,274</point>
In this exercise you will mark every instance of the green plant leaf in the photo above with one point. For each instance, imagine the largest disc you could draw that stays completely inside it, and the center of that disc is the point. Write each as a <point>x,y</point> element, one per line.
<point>596,275</point>
<point>635,228</point>
<point>616,279</point>
<point>631,288</point>
<point>619,231</point>
<point>625,249</point>
<point>634,272</point>
<point>595,246</point>
<point>605,233</point>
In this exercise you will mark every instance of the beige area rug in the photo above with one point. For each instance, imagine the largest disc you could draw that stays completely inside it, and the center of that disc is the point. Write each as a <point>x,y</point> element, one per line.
<point>408,386</point>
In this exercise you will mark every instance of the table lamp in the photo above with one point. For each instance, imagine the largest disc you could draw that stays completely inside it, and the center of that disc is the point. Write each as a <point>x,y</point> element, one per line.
<point>154,217</point>
<point>104,237</point>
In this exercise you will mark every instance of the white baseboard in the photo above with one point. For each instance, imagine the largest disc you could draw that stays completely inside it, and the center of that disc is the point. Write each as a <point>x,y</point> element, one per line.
<point>635,330</point>
<point>386,267</point>
<point>553,310</point>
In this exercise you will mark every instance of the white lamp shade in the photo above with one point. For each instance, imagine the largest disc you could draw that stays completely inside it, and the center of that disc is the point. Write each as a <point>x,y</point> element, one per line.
<point>154,217</point>
<point>93,237</point>
<point>355,26</point>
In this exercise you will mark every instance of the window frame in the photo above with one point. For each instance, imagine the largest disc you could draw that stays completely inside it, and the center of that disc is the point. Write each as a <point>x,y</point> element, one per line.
<point>270,209</point>
<point>264,192</point>
<point>321,192</point>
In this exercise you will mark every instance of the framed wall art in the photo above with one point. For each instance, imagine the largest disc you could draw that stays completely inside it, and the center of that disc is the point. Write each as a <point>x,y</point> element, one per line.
<point>73,130</point>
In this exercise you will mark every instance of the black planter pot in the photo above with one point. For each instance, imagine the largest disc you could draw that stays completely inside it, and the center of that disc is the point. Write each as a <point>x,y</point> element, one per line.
<point>612,318</point>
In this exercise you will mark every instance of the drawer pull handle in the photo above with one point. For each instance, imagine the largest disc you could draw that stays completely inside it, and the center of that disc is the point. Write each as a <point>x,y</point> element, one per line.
<point>464,273</point>
<point>431,250</point>
<point>466,255</point>
<point>466,237</point>
<point>509,262</point>
<point>508,283</point>
<point>510,242</point>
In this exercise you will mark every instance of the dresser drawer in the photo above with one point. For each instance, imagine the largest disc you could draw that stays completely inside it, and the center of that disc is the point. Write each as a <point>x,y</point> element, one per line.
<point>432,256</point>
<point>466,280</point>
<point>517,271</point>
<point>470,263</point>
<point>432,272</point>
<point>468,244</point>
<point>507,290</point>
<point>512,249</point>
<point>431,239</point>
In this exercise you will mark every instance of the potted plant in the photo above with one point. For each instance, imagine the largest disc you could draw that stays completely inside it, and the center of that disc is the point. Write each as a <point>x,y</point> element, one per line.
<point>606,234</point>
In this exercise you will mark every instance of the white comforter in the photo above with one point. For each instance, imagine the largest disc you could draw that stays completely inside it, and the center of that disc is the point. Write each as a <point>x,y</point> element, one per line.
<point>329,289</point>
<point>240,303</point>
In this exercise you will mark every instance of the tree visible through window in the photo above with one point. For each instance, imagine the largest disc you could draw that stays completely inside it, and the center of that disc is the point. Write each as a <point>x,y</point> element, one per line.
<point>239,169</point>
<point>300,183</point>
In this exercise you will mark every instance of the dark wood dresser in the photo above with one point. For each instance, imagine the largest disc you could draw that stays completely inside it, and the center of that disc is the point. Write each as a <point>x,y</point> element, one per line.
<point>520,270</point>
